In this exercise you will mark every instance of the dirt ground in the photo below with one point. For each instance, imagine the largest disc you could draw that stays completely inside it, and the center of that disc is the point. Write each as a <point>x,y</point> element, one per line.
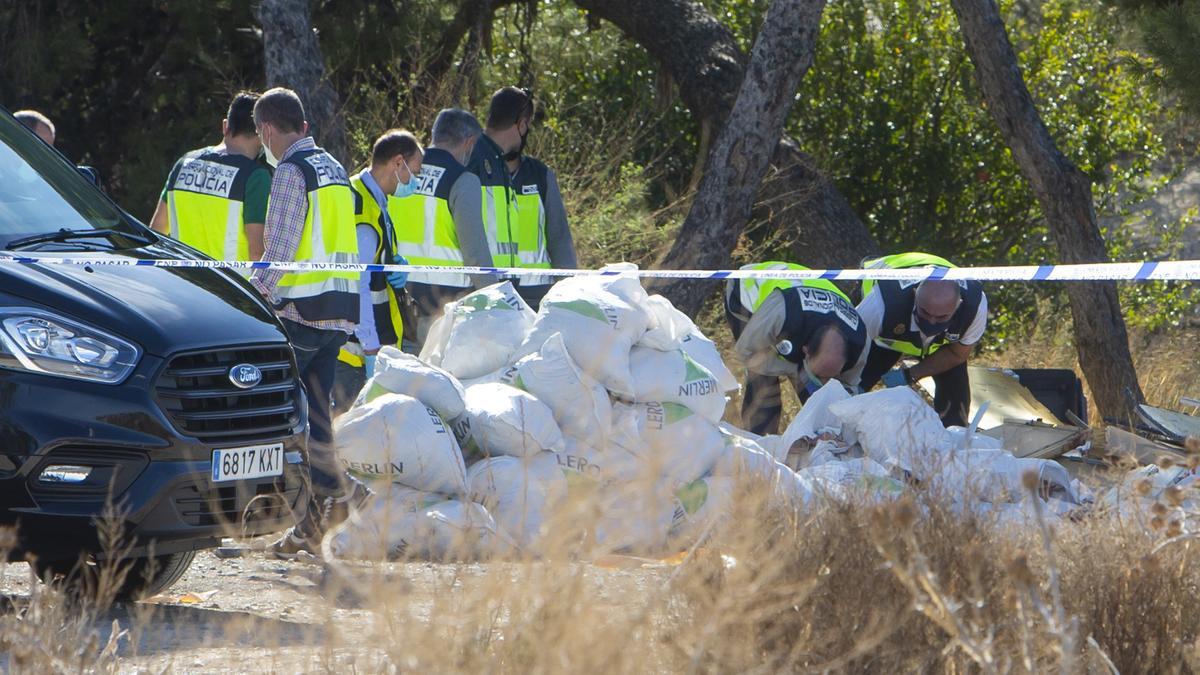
<point>267,615</point>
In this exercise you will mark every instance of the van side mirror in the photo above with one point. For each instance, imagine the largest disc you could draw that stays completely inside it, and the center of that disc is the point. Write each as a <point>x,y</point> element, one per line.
<point>91,174</point>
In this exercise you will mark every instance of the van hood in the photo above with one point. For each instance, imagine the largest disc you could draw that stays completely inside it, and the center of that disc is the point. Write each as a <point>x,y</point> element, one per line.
<point>162,309</point>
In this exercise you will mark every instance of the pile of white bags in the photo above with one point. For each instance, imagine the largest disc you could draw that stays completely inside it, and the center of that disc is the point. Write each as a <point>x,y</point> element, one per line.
<point>597,422</point>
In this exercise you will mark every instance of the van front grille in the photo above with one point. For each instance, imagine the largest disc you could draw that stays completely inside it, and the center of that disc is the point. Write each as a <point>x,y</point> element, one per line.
<point>199,396</point>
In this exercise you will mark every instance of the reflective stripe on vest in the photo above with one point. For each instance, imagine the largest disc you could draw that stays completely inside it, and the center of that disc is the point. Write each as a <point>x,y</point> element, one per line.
<point>328,237</point>
<point>901,261</point>
<point>755,291</point>
<point>531,184</point>
<point>425,232</point>
<point>385,308</point>
<point>205,204</point>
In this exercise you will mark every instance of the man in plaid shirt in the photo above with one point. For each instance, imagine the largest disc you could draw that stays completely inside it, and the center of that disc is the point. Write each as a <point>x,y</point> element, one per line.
<point>318,310</point>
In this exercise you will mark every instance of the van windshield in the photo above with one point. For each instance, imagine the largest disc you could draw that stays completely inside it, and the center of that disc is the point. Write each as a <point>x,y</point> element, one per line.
<point>41,193</point>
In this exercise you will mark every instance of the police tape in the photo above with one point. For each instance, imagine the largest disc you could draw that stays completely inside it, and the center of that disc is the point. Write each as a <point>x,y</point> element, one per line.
<point>1167,270</point>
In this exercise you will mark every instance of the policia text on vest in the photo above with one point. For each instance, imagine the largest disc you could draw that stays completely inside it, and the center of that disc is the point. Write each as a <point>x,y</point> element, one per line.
<point>210,195</point>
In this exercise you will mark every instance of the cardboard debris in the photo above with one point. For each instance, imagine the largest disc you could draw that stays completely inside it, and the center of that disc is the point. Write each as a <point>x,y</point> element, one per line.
<point>1036,439</point>
<point>1176,426</point>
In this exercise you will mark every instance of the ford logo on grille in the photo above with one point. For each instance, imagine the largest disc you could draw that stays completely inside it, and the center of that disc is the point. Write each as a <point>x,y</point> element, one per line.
<point>245,376</point>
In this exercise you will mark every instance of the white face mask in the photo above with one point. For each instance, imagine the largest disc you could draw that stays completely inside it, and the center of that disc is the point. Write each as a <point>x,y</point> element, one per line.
<point>271,158</point>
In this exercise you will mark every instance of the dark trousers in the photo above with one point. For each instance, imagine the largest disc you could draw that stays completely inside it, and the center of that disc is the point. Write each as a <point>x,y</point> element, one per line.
<point>316,358</point>
<point>348,381</point>
<point>952,395</point>
<point>762,395</point>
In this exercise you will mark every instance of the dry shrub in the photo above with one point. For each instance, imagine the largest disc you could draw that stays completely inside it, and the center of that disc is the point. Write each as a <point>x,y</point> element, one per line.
<point>914,586</point>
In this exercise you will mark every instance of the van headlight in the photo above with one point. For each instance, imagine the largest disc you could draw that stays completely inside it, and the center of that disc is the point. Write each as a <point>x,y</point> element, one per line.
<point>42,342</point>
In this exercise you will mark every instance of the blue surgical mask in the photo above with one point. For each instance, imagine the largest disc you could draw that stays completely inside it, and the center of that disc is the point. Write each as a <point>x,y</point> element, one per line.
<point>406,189</point>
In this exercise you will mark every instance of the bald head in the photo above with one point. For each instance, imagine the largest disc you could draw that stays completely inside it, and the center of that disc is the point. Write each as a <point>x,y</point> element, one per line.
<point>939,298</point>
<point>825,352</point>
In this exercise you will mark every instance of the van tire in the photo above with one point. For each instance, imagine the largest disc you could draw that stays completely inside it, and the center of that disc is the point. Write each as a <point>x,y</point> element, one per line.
<point>143,577</point>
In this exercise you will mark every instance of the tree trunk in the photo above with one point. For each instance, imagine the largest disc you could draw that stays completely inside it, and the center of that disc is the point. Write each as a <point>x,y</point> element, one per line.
<point>703,59</point>
<point>745,145</point>
<point>1065,195</point>
<point>294,60</point>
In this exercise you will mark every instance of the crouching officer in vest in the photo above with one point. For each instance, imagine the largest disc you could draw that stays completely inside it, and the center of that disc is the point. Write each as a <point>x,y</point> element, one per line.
<point>215,199</point>
<point>937,322</point>
<point>536,234</point>
<point>310,218</point>
<point>441,224</point>
<point>807,331</point>
<point>395,161</point>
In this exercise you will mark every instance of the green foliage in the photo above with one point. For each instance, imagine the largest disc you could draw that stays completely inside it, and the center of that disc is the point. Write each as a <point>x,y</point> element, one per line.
<point>890,110</point>
<point>1170,32</point>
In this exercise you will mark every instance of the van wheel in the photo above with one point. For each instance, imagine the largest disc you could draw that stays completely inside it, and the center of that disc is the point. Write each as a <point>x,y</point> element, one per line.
<point>132,579</point>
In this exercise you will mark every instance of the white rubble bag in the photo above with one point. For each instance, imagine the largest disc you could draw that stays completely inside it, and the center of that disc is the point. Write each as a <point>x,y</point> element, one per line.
<point>674,377</point>
<point>598,328</point>
<point>399,439</point>
<point>705,352</point>
<point>990,475</point>
<point>582,462</point>
<point>479,332</point>
<point>518,492</point>
<point>634,518</point>
<point>700,508</point>
<point>895,427</point>
<point>815,417</point>
<point>579,403</point>
<point>667,326</point>
<point>743,460</point>
<point>503,420</point>
<point>400,373</point>
<point>673,444</point>
<point>447,530</point>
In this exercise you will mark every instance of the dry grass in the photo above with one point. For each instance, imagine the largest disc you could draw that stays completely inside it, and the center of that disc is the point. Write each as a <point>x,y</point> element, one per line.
<point>903,586</point>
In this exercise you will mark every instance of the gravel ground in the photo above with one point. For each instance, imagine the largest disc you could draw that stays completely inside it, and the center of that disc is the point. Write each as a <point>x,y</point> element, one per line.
<point>262,614</point>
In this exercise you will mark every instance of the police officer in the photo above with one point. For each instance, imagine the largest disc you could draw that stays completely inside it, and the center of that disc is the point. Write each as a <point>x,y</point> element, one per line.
<point>936,322</point>
<point>441,223</point>
<point>541,237</point>
<point>310,219</point>
<point>807,331</point>
<point>395,160</point>
<point>215,199</point>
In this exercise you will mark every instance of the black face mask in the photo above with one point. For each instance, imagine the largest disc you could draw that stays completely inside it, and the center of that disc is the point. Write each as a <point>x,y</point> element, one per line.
<point>514,155</point>
<point>929,328</point>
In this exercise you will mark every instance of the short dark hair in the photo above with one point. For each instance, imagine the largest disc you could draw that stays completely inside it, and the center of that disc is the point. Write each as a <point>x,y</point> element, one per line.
<point>241,114</point>
<point>32,118</point>
<point>281,108</point>
<point>813,345</point>
<point>394,142</point>
<point>509,106</point>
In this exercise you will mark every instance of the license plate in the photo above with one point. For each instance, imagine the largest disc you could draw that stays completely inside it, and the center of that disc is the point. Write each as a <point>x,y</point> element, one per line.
<point>256,461</point>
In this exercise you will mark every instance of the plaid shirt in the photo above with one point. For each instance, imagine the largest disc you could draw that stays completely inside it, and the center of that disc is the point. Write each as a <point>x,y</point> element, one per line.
<point>286,212</point>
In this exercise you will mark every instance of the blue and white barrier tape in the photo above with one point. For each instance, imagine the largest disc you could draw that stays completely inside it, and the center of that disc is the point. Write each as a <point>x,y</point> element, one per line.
<point>1170,270</point>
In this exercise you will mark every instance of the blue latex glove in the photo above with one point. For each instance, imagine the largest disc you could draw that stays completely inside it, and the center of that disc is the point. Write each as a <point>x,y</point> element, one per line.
<point>397,279</point>
<point>896,378</point>
<point>369,365</point>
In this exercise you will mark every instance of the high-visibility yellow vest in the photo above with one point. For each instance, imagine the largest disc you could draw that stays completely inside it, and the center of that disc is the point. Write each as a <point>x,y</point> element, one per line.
<point>755,291</point>
<point>205,198</point>
<point>425,232</point>
<point>328,237</point>
<point>384,304</point>
<point>531,185</point>
<point>901,261</point>
<point>501,221</point>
